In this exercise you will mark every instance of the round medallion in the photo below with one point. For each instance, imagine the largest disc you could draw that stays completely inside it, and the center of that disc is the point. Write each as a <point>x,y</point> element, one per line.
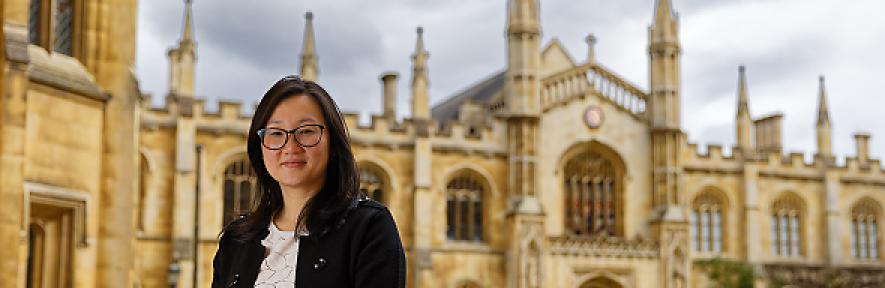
<point>593,117</point>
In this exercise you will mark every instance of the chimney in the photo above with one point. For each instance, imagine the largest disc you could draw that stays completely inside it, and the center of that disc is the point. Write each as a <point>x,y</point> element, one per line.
<point>388,80</point>
<point>768,133</point>
<point>862,142</point>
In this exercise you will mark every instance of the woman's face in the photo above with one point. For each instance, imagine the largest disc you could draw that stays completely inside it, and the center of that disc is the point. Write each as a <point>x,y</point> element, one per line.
<point>294,166</point>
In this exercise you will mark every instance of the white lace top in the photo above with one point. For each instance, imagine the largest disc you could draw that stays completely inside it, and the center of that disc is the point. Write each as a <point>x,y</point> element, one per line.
<point>278,268</point>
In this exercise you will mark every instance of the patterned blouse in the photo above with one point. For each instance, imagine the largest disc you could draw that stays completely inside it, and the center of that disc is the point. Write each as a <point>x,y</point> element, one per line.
<point>278,268</point>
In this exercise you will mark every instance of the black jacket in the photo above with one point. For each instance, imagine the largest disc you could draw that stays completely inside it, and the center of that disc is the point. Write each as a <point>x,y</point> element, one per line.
<point>363,251</point>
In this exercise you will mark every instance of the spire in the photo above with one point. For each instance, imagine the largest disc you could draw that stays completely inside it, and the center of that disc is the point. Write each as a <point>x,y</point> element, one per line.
<point>420,55</point>
<point>187,35</point>
<point>665,27</point>
<point>742,91</point>
<point>664,11</point>
<point>744,122</point>
<point>182,59</point>
<point>309,68</point>
<point>743,100</point>
<point>823,113</point>
<point>420,81</point>
<point>824,139</point>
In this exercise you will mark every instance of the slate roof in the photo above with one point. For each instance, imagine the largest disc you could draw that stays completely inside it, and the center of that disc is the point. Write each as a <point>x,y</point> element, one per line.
<point>481,92</point>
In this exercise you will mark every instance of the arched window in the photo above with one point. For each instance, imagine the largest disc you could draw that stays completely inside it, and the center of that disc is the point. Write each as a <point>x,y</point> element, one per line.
<point>707,222</point>
<point>468,284</point>
<point>464,195</point>
<point>865,230</point>
<point>786,226</point>
<point>600,282</point>
<point>592,186</point>
<point>52,24</point>
<point>36,255</point>
<point>142,193</point>
<point>239,181</point>
<point>372,182</point>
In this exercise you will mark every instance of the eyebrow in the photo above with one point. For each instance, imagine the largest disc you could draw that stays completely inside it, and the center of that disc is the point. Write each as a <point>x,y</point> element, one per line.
<point>299,121</point>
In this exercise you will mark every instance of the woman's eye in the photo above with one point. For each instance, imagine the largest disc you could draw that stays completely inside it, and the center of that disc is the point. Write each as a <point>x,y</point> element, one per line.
<point>276,133</point>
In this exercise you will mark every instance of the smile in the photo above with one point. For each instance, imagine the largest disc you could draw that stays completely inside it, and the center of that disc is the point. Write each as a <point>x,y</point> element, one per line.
<point>293,164</point>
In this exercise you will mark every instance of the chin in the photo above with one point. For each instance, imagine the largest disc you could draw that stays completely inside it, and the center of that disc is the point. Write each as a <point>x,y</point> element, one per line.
<point>291,182</point>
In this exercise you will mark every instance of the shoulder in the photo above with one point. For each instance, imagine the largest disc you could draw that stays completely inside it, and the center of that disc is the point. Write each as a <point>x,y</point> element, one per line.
<point>366,207</point>
<point>367,212</point>
<point>242,230</point>
<point>369,203</point>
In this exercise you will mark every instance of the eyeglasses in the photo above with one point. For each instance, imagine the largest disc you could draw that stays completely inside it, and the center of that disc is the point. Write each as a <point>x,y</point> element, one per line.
<point>308,135</point>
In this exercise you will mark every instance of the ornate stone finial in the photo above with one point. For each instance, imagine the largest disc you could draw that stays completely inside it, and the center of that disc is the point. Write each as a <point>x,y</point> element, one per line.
<point>591,47</point>
<point>420,79</point>
<point>743,99</point>
<point>420,55</point>
<point>823,113</point>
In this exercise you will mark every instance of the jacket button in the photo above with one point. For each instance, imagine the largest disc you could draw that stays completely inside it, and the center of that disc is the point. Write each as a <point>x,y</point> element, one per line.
<point>234,281</point>
<point>320,264</point>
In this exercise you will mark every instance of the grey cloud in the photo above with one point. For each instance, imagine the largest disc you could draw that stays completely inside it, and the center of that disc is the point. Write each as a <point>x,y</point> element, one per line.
<point>711,74</point>
<point>244,48</point>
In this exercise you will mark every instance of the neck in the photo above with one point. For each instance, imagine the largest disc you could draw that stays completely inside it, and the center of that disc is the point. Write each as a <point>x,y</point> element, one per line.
<point>294,199</point>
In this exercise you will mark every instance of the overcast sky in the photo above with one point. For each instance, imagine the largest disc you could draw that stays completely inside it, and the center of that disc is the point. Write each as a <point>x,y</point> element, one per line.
<point>785,44</point>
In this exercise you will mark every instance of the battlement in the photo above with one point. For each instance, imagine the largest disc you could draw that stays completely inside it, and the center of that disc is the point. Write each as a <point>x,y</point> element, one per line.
<point>226,110</point>
<point>713,152</point>
<point>792,160</point>
<point>384,132</point>
<point>712,156</point>
<point>871,167</point>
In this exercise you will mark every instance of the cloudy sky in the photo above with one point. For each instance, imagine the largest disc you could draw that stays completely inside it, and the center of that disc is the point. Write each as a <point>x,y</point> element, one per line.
<point>785,44</point>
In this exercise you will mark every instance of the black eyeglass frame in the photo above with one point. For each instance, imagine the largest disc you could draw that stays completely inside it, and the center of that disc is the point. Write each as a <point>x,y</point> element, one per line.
<point>261,133</point>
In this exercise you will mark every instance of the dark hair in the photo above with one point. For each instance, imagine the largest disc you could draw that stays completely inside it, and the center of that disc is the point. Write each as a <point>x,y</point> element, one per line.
<point>341,186</point>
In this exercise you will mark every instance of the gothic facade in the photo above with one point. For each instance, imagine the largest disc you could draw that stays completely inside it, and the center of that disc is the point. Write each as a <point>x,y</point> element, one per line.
<point>552,173</point>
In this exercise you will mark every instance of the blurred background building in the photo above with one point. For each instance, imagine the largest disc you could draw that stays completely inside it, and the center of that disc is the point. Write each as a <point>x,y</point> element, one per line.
<point>553,172</point>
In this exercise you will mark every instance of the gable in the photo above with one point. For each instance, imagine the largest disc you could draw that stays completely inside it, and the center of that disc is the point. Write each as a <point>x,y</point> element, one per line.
<point>554,59</point>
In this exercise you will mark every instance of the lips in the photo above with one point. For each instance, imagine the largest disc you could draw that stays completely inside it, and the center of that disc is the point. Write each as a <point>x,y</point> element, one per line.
<point>293,163</point>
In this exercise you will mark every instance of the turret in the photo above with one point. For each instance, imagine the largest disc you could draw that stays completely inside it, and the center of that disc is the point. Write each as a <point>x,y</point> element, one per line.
<point>523,57</point>
<point>665,52</point>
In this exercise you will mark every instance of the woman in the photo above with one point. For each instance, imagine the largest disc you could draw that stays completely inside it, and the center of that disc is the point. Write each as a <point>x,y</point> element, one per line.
<point>307,182</point>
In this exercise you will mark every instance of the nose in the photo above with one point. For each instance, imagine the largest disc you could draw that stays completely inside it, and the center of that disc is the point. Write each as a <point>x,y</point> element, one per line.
<point>292,146</point>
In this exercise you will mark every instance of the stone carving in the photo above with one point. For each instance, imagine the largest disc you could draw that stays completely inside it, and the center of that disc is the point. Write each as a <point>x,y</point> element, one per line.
<point>604,247</point>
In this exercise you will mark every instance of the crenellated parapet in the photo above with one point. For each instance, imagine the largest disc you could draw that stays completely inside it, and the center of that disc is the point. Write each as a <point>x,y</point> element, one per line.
<point>774,163</point>
<point>472,139</point>
<point>454,137</point>
<point>228,118</point>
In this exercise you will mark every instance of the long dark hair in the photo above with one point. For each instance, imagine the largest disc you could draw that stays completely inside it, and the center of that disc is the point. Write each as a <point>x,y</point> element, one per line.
<point>341,187</point>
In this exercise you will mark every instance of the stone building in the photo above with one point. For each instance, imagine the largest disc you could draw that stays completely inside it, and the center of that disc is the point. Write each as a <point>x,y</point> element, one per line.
<point>489,188</point>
